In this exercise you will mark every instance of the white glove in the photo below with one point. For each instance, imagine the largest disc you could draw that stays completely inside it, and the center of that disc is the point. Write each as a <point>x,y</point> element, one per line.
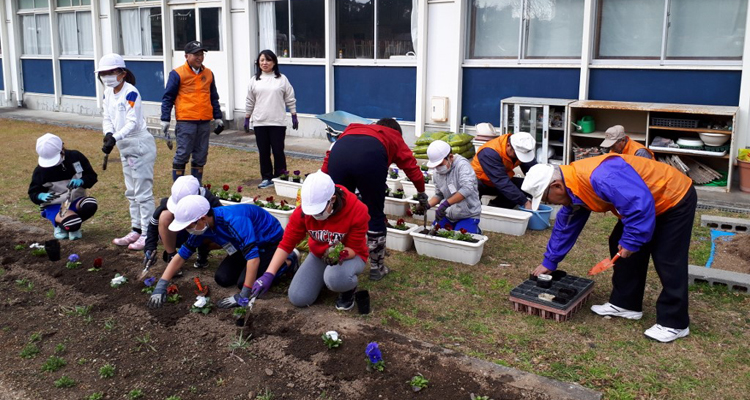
<point>165,127</point>
<point>219,122</point>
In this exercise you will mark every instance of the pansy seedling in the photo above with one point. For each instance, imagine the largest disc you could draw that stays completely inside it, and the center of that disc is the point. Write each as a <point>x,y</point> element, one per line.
<point>374,357</point>
<point>202,305</point>
<point>207,186</point>
<point>332,339</point>
<point>225,187</point>
<point>239,189</point>
<point>73,261</point>
<point>118,280</point>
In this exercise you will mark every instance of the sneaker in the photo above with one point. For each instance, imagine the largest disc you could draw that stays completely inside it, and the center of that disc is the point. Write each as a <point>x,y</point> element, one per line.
<point>126,240</point>
<point>664,334</point>
<point>345,302</point>
<point>75,235</point>
<point>266,183</point>
<point>377,274</point>
<point>201,262</point>
<point>60,233</point>
<point>138,244</point>
<point>611,309</point>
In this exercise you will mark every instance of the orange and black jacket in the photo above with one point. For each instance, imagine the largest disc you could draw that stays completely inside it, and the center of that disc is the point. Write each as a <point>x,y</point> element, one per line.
<point>193,96</point>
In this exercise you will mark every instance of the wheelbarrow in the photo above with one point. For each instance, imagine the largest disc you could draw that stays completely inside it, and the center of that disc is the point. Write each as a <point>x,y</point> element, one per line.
<point>337,121</point>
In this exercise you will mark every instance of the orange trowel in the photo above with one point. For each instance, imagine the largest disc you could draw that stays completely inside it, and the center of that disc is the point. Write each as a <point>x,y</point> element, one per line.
<point>603,265</point>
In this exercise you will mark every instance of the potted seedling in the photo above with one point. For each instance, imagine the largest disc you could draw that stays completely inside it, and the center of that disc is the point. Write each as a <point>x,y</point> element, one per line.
<point>202,305</point>
<point>236,197</point>
<point>38,249</point>
<point>393,173</point>
<point>332,339</point>
<point>374,358</point>
<point>398,237</point>
<point>450,245</point>
<point>281,211</point>
<point>284,176</point>
<point>149,282</point>
<point>336,255</point>
<point>98,262</point>
<point>118,281</point>
<point>73,262</point>
<point>287,186</point>
<point>296,178</point>
<point>398,193</point>
<point>418,382</point>
<point>427,177</point>
<point>224,192</point>
<point>173,295</point>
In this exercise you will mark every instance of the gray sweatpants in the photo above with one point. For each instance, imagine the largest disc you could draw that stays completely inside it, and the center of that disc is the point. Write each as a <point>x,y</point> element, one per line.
<point>192,139</point>
<point>314,273</point>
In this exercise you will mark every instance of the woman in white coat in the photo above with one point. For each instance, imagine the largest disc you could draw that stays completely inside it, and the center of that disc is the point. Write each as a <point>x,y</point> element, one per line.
<point>125,126</point>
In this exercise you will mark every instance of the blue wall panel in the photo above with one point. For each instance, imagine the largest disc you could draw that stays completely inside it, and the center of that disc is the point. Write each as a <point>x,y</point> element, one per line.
<point>2,76</point>
<point>309,83</point>
<point>37,76</point>
<point>78,78</point>
<point>666,86</point>
<point>376,92</point>
<point>149,78</point>
<point>483,88</point>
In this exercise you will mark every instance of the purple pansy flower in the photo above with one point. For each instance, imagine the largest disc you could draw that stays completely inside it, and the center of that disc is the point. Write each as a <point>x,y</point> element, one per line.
<point>73,258</point>
<point>149,281</point>
<point>296,173</point>
<point>373,353</point>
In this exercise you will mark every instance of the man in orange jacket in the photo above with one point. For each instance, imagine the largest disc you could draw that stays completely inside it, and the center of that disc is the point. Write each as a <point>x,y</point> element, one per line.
<point>192,91</point>
<point>656,204</point>
<point>618,142</point>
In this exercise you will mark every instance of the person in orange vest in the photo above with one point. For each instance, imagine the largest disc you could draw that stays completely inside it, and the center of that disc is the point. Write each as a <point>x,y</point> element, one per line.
<point>191,89</point>
<point>494,164</point>
<point>618,142</point>
<point>655,204</point>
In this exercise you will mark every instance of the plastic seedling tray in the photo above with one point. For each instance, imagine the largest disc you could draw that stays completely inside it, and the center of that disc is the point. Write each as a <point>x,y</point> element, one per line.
<point>525,297</point>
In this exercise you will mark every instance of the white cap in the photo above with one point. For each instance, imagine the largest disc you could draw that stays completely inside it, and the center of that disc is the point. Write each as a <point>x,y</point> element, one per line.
<point>110,62</point>
<point>436,153</point>
<point>183,186</point>
<point>189,209</point>
<point>524,145</point>
<point>49,146</point>
<point>536,182</point>
<point>486,129</point>
<point>317,190</point>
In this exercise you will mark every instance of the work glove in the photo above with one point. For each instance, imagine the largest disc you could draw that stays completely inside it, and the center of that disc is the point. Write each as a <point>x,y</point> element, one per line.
<point>295,122</point>
<point>159,295</point>
<point>423,200</point>
<point>149,257</point>
<point>246,125</point>
<point>109,143</point>
<point>262,284</point>
<point>240,299</point>
<point>442,208</point>
<point>75,183</point>
<point>165,127</point>
<point>219,126</point>
<point>47,197</point>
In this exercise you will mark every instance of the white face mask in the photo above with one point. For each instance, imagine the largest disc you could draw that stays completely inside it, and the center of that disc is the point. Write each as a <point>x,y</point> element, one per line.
<point>196,231</point>
<point>323,215</point>
<point>110,81</point>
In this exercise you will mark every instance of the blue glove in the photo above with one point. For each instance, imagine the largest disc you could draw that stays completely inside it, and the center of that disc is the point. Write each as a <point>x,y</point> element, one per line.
<point>75,183</point>
<point>159,295</point>
<point>47,197</point>
<point>442,208</point>
<point>295,122</point>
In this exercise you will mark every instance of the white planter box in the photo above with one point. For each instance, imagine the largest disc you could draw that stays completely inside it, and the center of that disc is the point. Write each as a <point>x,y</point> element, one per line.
<point>448,249</point>
<point>394,184</point>
<point>395,207</point>
<point>282,216</point>
<point>486,199</point>
<point>410,190</point>
<point>430,213</point>
<point>286,188</point>
<point>244,200</point>
<point>400,240</point>
<point>503,220</point>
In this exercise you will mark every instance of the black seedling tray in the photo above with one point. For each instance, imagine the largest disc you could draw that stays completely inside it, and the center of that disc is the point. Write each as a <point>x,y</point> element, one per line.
<point>530,292</point>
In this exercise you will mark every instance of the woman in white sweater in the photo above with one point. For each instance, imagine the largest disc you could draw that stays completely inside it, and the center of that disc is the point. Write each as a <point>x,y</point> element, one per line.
<point>124,125</point>
<point>269,95</point>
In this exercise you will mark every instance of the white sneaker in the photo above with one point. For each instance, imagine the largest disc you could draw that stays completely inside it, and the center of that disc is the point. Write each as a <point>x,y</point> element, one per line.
<point>131,237</point>
<point>138,244</point>
<point>611,309</point>
<point>664,334</point>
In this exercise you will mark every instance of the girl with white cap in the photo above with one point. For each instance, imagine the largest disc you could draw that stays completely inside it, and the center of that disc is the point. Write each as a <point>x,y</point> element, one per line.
<point>124,125</point>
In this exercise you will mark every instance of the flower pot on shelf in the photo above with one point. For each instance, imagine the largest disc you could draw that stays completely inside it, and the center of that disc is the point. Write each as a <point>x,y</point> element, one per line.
<point>744,167</point>
<point>410,190</point>
<point>285,188</point>
<point>395,207</point>
<point>449,249</point>
<point>503,220</point>
<point>399,240</point>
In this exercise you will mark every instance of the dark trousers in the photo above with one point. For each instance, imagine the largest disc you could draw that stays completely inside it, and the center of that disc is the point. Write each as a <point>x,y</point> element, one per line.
<point>360,162</point>
<point>233,268</point>
<point>500,201</point>
<point>271,139</point>
<point>669,248</point>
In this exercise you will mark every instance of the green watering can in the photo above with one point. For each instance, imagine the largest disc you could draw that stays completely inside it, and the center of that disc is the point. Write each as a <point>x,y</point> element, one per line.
<point>585,124</point>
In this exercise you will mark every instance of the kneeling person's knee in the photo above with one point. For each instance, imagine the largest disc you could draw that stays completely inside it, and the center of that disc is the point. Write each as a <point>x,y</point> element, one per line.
<point>71,223</point>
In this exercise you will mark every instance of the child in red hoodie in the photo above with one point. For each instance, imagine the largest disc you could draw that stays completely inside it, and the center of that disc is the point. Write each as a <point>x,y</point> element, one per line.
<point>329,214</point>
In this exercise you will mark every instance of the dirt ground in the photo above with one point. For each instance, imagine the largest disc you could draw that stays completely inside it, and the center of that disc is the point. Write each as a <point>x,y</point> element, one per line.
<point>733,253</point>
<point>172,352</point>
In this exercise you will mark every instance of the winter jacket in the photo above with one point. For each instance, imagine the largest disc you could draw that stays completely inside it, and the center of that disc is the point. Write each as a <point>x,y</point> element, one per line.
<point>194,96</point>
<point>268,98</point>
<point>121,113</point>
<point>152,238</point>
<point>55,179</point>
<point>462,179</point>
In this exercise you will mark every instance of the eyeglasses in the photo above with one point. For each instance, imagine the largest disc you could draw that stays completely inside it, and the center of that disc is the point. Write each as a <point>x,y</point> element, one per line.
<point>328,203</point>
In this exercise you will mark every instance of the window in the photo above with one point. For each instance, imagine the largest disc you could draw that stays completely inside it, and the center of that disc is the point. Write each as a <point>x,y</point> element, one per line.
<point>305,38</point>
<point>29,4</point>
<point>73,3</point>
<point>36,35</point>
<point>396,33</point>
<point>76,35</point>
<point>186,29</point>
<point>670,29</point>
<point>525,29</point>
<point>140,31</point>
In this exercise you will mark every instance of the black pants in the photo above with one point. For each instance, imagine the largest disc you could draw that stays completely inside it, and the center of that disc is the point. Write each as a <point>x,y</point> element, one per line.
<point>669,248</point>
<point>361,162</point>
<point>271,139</point>
<point>232,269</point>
<point>500,201</point>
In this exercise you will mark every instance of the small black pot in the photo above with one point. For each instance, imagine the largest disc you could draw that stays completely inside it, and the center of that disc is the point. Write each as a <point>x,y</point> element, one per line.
<point>363,301</point>
<point>542,282</point>
<point>567,292</point>
<point>558,274</point>
<point>52,247</point>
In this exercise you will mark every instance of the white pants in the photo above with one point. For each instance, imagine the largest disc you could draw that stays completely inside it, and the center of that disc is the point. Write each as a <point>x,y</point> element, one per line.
<point>138,154</point>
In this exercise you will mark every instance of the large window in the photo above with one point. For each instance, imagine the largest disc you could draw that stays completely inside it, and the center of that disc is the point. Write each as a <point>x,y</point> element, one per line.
<point>76,35</point>
<point>186,28</point>
<point>525,29</point>
<point>357,36</point>
<point>671,29</point>
<point>36,35</point>
<point>140,31</point>
<point>29,4</point>
<point>292,28</point>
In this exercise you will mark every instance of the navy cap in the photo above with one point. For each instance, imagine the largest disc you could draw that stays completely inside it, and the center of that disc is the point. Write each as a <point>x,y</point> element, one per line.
<point>194,47</point>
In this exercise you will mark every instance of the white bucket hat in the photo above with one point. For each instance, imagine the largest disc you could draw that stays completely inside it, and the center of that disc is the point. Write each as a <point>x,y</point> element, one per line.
<point>524,145</point>
<point>189,209</point>
<point>185,185</point>
<point>436,153</point>
<point>49,147</point>
<point>536,182</point>
<point>317,190</point>
<point>110,62</point>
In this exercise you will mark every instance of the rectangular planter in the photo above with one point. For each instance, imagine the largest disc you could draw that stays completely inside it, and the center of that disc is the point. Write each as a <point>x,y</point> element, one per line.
<point>430,213</point>
<point>282,216</point>
<point>503,220</point>
<point>244,200</point>
<point>448,249</point>
<point>394,184</point>
<point>395,207</point>
<point>410,190</point>
<point>400,240</point>
<point>286,188</point>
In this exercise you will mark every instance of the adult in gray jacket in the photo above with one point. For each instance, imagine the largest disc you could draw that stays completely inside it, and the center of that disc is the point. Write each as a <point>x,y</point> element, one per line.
<point>455,189</point>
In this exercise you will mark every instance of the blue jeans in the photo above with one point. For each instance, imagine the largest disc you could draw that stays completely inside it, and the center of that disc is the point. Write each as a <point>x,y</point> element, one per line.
<point>470,224</point>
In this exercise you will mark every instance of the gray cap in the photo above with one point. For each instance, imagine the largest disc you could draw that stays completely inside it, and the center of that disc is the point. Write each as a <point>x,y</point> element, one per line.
<point>612,135</point>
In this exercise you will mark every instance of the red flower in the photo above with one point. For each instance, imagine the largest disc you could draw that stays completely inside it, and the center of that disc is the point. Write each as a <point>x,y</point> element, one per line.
<point>172,289</point>
<point>283,202</point>
<point>239,189</point>
<point>98,262</point>
<point>225,187</point>
<point>400,221</point>
<point>343,255</point>
<point>448,227</point>
<point>269,199</point>
<point>255,198</point>
<point>208,186</point>
<point>464,231</point>
<point>408,212</point>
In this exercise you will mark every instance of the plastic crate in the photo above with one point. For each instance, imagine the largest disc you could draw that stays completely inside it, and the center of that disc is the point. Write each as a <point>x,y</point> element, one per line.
<point>674,122</point>
<point>525,298</point>
<point>718,149</point>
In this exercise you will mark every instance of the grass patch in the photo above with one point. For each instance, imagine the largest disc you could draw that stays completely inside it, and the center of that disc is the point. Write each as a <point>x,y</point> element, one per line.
<point>65,382</point>
<point>29,351</point>
<point>135,394</point>
<point>53,363</point>
<point>107,371</point>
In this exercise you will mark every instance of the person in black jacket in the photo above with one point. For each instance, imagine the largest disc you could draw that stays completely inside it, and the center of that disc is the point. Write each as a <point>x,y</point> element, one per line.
<point>62,178</point>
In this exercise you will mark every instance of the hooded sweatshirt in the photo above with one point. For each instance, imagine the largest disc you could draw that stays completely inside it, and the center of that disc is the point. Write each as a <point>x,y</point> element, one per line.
<point>462,179</point>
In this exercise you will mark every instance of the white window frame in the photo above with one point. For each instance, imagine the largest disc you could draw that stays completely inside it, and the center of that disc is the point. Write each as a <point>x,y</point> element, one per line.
<point>198,34</point>
<point>75,10</point>
<point>139,5</point>
<point>34,11</point>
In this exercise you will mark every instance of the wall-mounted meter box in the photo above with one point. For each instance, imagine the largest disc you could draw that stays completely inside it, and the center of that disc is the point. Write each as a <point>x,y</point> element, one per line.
<point>439,109</point>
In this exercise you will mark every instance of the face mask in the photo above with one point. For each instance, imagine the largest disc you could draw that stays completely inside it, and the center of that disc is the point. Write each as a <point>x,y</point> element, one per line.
<point>196,231</point>
<point>322,216</point>
<point>110,81</point>
<point>442,169</point>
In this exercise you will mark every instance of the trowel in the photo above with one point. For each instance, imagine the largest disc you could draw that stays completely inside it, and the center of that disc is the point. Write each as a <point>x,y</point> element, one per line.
<point>604,264</point>
<point>246,323</point>
<point>66,204</point>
